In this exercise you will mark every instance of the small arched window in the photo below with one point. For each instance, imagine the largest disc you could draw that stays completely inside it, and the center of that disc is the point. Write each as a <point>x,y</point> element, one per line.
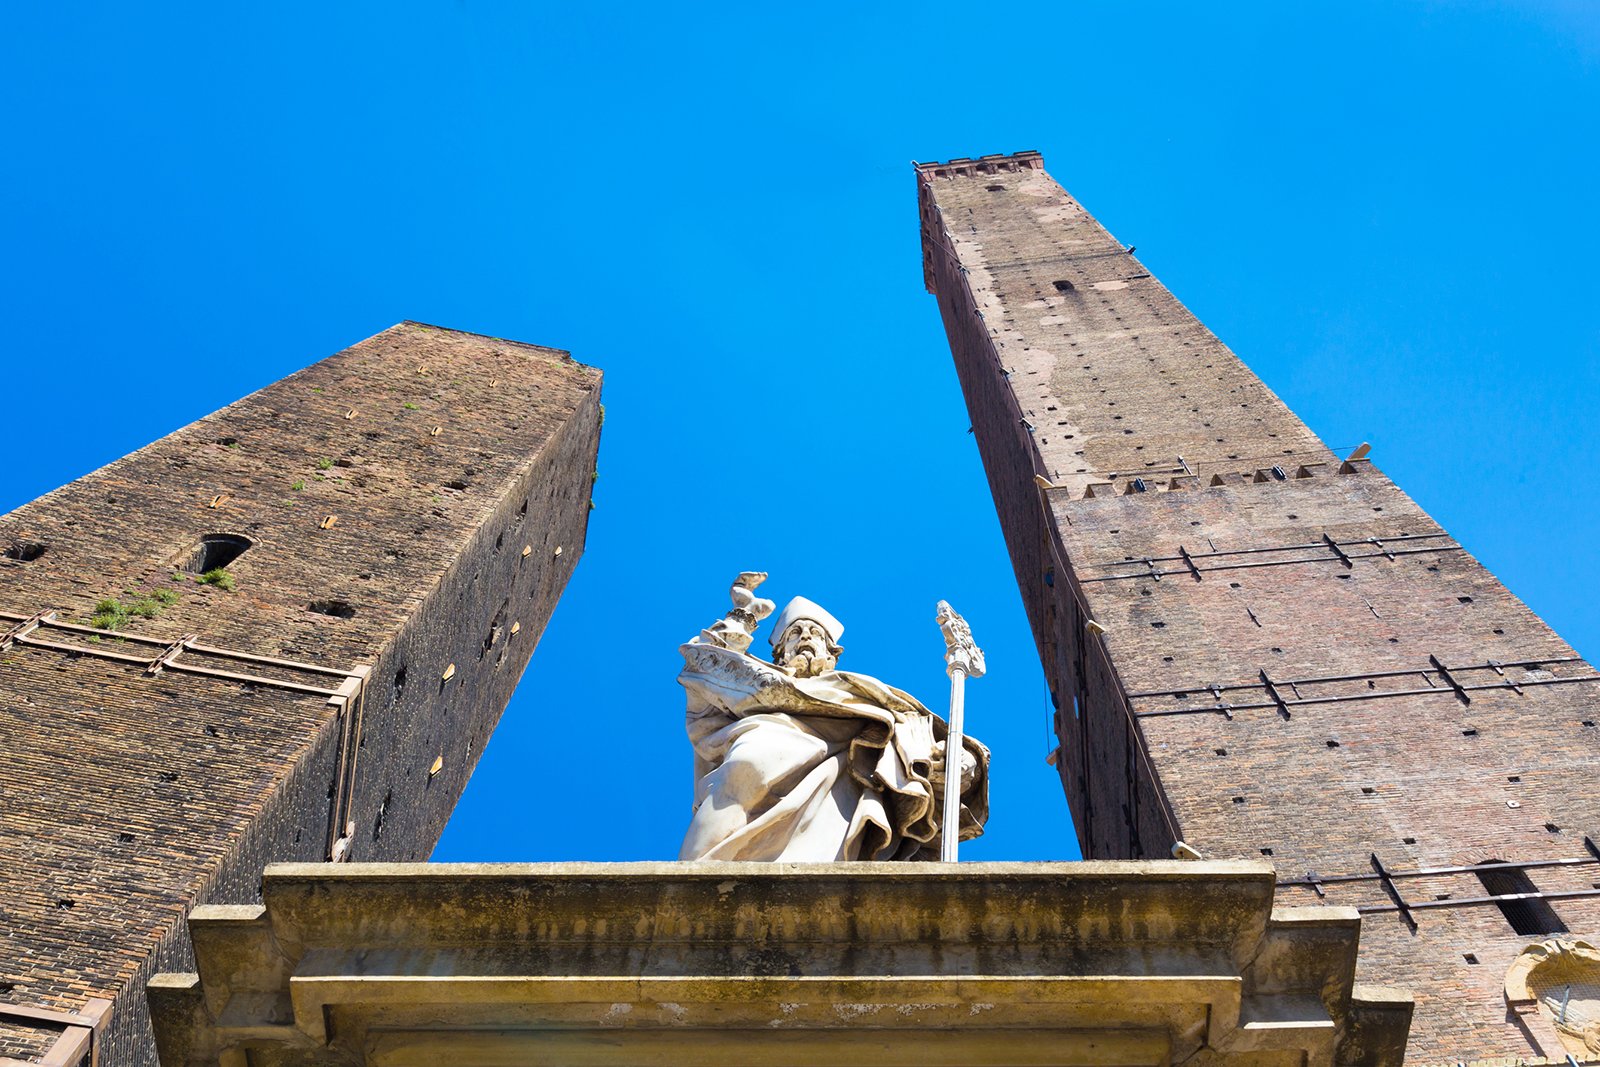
<point>212,551</point>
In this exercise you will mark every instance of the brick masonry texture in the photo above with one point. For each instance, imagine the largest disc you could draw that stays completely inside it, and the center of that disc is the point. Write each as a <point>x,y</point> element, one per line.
<point>458,470</point>
<point>1161,518</point>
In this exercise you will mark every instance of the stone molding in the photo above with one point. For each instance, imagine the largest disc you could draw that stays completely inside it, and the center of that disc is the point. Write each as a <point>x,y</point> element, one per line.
<point>991,164</point>
<point>710,963</point>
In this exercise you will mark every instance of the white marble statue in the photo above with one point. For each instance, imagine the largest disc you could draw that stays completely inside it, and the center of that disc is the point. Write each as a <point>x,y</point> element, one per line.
<point>795,760</point>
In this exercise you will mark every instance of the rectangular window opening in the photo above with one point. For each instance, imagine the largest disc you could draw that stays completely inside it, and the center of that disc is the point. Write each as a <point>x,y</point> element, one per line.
<point>1527,917</point>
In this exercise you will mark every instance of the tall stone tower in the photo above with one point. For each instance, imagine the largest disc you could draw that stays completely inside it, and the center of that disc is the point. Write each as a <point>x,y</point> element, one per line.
<point>1262,648</point>
<point>283,632</point>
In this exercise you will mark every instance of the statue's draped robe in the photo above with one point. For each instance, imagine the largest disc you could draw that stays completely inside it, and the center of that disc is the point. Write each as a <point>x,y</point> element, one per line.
<point>832,767</point>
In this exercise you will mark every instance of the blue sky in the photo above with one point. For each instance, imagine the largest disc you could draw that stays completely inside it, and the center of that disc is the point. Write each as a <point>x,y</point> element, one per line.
<point>1387,210</point>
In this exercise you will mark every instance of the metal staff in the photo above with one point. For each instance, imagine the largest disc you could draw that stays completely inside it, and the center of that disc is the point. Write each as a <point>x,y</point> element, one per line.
<point>963,659</point>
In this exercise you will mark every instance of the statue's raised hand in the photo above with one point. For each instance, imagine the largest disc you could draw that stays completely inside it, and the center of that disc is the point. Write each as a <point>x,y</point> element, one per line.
<point>745,599</point>
<point>734,629</point>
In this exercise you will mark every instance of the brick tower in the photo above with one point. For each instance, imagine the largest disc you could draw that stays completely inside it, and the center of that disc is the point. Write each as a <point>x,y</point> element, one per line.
<point>1261,648</point>
<point>283,632</point>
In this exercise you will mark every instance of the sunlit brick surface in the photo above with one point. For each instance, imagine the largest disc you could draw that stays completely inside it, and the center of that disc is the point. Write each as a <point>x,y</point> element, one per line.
<point>1243,557</point>
<point>457,471</point>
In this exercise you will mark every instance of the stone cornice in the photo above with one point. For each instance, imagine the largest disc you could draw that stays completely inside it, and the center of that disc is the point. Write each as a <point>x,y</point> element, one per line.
<point>388,964</point>
<point>991,164</point>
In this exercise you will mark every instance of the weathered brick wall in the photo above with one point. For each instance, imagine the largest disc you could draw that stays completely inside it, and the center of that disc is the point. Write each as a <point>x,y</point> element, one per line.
<point>1334,616</point>
<point>458,469</point>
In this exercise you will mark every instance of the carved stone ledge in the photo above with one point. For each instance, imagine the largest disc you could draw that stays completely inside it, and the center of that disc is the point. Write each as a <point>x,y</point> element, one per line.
<point>725,963</point>
<point>991,164</point>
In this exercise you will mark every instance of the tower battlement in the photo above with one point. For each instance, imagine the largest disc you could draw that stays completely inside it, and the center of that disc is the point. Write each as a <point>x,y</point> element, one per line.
<point>998,163</point>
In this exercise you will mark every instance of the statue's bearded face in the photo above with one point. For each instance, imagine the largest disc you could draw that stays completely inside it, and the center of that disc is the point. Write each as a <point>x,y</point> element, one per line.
<point>805,649</point>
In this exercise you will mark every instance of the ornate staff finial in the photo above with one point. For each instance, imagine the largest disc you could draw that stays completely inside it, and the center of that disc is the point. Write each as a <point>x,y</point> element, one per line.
<point>962,659</point>
<point>960,651</point>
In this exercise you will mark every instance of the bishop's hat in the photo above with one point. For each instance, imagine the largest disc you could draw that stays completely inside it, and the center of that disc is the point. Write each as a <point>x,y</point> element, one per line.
<point>801,608</point>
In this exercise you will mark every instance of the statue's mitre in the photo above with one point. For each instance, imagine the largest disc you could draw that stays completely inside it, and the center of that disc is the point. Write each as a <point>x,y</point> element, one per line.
<point>801,608</point>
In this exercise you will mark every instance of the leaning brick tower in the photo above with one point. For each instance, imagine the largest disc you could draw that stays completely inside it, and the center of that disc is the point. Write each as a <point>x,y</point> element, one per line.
<point>284,632</point>
<point>1261,648</point>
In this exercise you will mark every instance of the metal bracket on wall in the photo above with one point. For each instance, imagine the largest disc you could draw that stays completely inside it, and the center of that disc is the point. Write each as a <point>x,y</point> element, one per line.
<point>347,698</point>
<point>1336,552</point>
<point>1449,679</point>
<point>1277,698</point>
<point>171,653</point>
<point>1333,546</point>
<point>351,701</point>
<point>1393,891</point>
<point>1318,883</point>
<point>22,628</point>
<point>1447,675</point>
<point>78,1032</point>
<point>27,626</point>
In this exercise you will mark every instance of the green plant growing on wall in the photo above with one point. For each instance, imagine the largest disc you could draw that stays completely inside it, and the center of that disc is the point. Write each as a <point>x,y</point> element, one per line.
<point>297,486</point>
<point>219,577</point>
<point>113,614</point>
<point>109,614</point>
<point>324,464</point>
